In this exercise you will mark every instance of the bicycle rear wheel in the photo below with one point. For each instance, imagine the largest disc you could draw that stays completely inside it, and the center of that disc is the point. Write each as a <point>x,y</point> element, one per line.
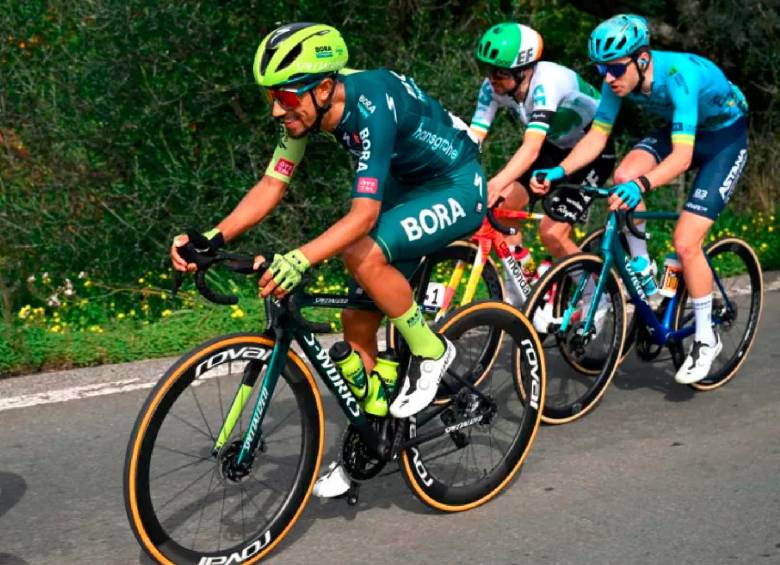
<point>489,428</point>
<point>189,506</point>
<point>736,309</point>
<point>580,367</point>
<point>428,284</point>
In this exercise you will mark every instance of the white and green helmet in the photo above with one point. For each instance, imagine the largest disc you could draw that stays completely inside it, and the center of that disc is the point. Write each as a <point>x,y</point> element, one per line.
<point>299,53</point>
<point>510,45</point>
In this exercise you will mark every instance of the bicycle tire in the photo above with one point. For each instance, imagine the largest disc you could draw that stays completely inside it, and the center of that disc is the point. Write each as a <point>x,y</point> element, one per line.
<point>588,381</point>
<point>161,420</point>
<point>492,283</point>
<point>429,476</point>
<point>725,369</point>
<point>591,243</point>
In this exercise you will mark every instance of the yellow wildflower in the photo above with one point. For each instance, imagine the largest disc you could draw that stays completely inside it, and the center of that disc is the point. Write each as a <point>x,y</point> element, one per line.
<point>165,313</point>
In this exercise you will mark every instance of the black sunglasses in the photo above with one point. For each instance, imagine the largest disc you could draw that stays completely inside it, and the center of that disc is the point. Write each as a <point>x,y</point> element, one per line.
<point>617,70</point>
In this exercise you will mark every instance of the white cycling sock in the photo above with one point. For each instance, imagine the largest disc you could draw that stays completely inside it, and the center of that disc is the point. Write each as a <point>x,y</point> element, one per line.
<point>637,247</point>
<point>702,309</point>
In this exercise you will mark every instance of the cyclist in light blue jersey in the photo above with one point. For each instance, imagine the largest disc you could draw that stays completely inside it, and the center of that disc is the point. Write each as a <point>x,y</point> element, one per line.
<point>706,129</point>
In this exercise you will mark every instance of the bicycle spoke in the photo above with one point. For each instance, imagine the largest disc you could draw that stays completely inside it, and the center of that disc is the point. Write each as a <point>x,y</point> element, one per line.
<point>202,415</point>
<point>191,425</point>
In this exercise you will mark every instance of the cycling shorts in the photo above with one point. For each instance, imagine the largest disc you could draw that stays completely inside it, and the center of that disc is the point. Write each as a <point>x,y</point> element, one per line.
<point>418,220</point>
<point>719,155</point>
<point>572,204</point>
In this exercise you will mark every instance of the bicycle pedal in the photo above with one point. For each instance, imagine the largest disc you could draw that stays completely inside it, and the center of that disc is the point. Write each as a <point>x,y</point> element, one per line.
<point>353,494</point>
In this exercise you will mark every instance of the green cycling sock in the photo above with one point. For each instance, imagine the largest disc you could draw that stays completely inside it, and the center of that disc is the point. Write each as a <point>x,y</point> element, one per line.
<point>422,341</point>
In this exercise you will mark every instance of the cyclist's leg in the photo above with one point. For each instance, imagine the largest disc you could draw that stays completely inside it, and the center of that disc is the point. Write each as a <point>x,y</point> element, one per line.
<point>429,218</point>
<point>722,155</point>
<point>556,237</point>
<point>516,198</point>
<point>644,157</point>
<point>360,327</point>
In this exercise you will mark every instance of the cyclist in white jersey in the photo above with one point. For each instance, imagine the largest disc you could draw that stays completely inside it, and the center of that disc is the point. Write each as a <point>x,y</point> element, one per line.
<point>556,107</point>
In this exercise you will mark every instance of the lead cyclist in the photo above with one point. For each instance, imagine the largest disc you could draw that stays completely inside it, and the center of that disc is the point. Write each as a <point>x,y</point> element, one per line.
<point>418,186</point>
<point>707,129</point>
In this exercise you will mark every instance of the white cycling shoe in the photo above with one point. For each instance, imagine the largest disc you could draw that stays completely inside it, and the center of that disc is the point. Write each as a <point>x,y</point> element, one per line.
<point>422,382</point>
<point>334,482</point>
<point>699,362</point>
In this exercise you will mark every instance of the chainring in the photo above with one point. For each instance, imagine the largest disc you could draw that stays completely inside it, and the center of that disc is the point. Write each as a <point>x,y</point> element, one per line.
<point>360,463</point>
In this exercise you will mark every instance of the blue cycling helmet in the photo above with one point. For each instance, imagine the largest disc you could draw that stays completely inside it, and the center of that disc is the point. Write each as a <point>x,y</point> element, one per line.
<point>619,36</point>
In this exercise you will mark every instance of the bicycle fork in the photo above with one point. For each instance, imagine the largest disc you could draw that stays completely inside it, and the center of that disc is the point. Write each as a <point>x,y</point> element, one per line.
<point>253,435</point>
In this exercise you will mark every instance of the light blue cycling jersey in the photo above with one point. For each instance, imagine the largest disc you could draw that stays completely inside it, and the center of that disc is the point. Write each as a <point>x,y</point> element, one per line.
<point>689,91</point>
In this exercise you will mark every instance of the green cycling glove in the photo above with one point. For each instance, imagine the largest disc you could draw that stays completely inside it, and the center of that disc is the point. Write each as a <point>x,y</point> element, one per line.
<point>288,269</point>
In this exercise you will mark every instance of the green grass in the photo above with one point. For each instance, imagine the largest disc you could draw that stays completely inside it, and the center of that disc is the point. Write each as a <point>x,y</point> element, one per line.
<point>79,321</point>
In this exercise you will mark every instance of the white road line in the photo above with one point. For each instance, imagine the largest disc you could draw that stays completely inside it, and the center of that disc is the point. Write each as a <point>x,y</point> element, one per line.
<point>98,389</point>
<point>73,393</point>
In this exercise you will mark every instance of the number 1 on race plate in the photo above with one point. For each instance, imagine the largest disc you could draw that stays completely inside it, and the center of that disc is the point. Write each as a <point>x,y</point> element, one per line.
<point>434,296</point>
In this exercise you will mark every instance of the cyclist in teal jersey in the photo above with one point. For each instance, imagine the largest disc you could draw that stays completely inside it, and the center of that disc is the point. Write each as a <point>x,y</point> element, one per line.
<point>707,129</point>
<point>418,186</point>
<point>556,107</point>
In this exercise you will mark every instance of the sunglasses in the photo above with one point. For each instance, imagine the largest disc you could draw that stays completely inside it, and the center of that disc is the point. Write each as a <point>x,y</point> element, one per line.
<point>617,70</point>
<point>288,98</point>
<point>498,73</point>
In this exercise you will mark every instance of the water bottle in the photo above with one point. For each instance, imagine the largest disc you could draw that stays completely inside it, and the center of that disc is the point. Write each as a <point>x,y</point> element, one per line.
<point>524,258</point>
<point>381,384</point>
<point>351,367</point>
<point>387,369</point>
<point>672,275</point>
<point>646,271</point>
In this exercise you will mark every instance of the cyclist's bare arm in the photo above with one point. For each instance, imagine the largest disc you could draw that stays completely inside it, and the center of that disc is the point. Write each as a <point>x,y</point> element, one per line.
<point>586,151</point>
<point>357,223</point>
<point>520,162</point>
<point>256,205</point>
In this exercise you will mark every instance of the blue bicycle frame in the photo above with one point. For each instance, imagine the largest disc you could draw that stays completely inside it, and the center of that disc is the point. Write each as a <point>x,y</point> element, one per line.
<point>615,255</point>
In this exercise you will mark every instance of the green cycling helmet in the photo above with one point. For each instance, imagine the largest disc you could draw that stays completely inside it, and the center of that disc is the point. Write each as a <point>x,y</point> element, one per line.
<point>510,45</point>
<point>619,36</point>
<point>299,53</point>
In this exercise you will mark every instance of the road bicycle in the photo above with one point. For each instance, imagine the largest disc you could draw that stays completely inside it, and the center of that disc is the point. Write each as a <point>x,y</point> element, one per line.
<point>227,446</point>
<point>590,331</point>
<point>466,271</point>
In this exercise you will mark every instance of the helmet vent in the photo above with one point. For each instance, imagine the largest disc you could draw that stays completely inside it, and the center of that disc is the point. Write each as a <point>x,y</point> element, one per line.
<point>621,43</point>
<point>290,57</point>
<point>493,54</point>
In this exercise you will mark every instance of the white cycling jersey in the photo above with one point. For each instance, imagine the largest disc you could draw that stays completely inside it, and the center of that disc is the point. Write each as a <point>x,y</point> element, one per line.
<point>559,104</point>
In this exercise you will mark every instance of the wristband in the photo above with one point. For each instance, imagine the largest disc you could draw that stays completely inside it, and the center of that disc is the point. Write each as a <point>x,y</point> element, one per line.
<point>645,182</point>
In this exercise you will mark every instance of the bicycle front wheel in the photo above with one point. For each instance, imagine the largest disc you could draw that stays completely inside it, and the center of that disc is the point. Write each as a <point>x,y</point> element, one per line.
<point>480,437</point>
<point>189,505</point>
<point>736,308</point>
<point>581,365</point>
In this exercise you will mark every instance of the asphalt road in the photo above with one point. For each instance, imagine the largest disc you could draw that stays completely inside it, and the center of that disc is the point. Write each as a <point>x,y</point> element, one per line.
<point>656,474</point>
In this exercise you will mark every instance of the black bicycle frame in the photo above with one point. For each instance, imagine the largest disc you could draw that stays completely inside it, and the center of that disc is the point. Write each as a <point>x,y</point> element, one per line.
<point>284,326</point>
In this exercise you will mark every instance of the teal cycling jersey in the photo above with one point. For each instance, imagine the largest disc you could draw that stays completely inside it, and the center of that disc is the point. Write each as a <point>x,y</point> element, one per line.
<point>393,129</point>
<point>688,91</point>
